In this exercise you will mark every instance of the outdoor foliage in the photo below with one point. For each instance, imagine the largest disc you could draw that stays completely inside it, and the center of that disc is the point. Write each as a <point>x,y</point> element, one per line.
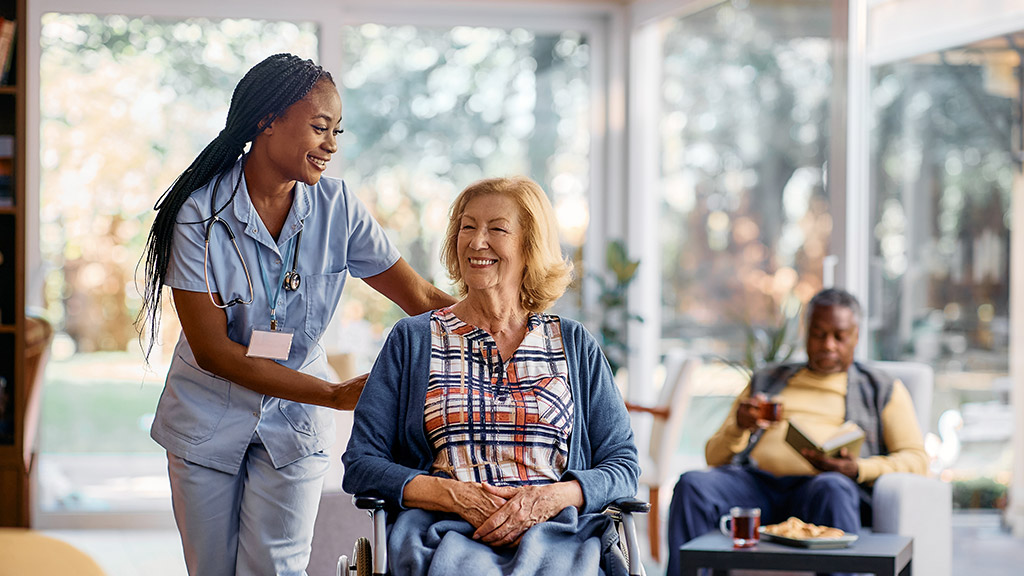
<point>946,157</point>
<point>430,110</point>
<point>744,218</point>
<point>126,104</point>
<point>979,493</point>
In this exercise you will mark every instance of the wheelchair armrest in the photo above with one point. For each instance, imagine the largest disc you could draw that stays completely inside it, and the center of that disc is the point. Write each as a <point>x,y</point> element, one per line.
<point>368,502</point>
<point>375,508</point>
<point>630,505</point>
<point>622,511</point>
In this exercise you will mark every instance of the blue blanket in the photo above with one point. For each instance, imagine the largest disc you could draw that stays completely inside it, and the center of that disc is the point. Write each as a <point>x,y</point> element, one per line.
<point>423,543</point>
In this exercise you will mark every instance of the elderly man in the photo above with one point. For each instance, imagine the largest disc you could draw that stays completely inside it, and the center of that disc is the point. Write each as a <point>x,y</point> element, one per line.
<point>821,394</point>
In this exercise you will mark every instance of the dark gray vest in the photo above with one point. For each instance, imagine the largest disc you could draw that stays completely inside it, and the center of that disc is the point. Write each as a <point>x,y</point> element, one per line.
<point>867,393</point>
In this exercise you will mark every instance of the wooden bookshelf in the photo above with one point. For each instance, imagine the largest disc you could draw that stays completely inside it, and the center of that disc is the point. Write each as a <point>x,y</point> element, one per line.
<point>16,450</point>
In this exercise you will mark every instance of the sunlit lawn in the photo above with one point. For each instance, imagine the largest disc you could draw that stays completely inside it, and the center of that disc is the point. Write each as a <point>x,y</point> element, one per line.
<point>100,402</point>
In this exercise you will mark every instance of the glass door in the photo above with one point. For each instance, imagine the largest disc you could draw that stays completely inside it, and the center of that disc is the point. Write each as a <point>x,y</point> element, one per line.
<point>945,157</point>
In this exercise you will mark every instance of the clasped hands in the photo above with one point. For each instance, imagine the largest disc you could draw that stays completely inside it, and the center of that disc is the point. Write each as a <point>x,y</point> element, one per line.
<point>502,514</point>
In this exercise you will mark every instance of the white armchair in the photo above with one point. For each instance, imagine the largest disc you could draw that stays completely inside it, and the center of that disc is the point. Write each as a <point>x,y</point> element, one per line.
<point>658,429</point>
<point>912,505</point>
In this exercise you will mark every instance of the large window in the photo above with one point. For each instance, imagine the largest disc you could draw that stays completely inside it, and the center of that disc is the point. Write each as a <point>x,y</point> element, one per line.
<point>946,152</point>
<point>429,110</point>
<point>126,103</point>
<point>743,215</point>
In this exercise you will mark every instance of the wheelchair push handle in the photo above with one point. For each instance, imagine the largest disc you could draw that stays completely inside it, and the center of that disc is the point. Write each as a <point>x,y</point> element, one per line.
<point>368,502</point>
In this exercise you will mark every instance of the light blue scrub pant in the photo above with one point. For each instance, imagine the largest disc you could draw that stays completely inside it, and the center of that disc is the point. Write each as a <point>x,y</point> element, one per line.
<point>258,521</point>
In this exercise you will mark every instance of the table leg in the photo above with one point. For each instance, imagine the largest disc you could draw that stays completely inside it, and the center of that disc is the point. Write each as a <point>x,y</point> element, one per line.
<point>906,569</point>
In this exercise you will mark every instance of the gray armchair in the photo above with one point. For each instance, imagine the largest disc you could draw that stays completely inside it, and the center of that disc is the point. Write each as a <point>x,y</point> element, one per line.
<point>912,505</point>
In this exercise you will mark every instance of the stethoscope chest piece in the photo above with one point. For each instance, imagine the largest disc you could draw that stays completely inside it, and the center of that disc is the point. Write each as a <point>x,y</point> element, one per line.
<point>292,280</point>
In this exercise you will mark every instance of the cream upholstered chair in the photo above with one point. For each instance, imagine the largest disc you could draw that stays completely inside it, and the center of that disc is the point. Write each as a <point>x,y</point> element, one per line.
<point>912,505</point>
<point>658,462</point>
<point>24,551</point>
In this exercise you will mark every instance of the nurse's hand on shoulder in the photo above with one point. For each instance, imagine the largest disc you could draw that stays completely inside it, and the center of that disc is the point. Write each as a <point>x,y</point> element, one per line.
<point>346,393</point>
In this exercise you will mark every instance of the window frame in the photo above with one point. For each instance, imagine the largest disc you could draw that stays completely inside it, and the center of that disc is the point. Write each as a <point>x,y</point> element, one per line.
<point>645,110</point>
<point>927,26</point>
<point>604,25</point>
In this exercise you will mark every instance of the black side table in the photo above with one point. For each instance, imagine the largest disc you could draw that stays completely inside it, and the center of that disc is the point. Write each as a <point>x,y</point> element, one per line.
<point>881,554</point>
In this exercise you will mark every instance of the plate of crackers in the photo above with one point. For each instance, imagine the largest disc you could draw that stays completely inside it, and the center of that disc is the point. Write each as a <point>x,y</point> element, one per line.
<point>796,532</point>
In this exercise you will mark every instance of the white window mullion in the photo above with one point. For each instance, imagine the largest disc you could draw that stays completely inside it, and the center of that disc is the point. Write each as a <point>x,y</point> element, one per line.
<point>644,197</point>
<point>855,262</point>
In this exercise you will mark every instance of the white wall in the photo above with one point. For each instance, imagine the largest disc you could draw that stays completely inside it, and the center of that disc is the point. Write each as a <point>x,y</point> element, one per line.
<point>902,28</point>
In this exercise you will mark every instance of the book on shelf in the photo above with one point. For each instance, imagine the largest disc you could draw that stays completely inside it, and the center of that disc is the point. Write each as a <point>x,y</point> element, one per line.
<point>6,49</point>
<point>6,170</point>
<point>848,436</point>
<point>7,274</point>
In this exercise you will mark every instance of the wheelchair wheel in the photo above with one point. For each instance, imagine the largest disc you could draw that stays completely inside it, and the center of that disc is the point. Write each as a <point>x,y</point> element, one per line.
<point>364,557</point>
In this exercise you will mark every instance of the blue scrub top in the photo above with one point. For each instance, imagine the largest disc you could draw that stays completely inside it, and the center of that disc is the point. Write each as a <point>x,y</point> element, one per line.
<point>209,420</point>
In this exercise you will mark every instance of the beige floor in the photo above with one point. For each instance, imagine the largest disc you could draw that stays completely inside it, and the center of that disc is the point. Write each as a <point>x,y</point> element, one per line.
<point>134,553</point>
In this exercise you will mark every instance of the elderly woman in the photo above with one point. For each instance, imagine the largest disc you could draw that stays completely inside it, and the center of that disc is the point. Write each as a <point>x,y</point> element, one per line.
<point>494,429</point>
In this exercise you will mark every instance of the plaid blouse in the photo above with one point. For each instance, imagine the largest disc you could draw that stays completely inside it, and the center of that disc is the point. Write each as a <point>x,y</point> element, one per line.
<point>504,422</point>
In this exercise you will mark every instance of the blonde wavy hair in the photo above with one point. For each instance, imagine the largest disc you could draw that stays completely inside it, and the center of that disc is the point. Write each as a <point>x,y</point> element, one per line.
<point>548,272</point>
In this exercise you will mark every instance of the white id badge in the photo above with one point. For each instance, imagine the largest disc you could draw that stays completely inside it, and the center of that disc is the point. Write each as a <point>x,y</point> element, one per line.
<point>276,344</point>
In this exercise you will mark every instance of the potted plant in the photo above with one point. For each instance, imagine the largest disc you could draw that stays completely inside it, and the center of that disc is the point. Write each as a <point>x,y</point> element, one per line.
<point>772,344</point>
<point>615,315</point>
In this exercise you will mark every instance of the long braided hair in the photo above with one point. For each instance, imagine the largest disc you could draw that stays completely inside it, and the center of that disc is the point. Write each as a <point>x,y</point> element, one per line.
<point>261,96</point>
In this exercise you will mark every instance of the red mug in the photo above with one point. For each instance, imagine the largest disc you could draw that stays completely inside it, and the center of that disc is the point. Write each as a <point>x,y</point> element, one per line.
<point>771,410</point>
<point>745,529</point>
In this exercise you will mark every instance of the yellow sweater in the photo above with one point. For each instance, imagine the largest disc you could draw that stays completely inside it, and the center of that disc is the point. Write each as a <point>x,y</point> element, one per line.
<point>817,402</point>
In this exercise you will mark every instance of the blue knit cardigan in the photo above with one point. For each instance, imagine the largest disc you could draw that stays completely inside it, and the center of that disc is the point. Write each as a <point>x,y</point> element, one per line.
<point>389,446</point>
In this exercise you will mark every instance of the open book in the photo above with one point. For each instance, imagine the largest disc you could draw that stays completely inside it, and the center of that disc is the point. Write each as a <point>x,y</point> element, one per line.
<point>848,436</point>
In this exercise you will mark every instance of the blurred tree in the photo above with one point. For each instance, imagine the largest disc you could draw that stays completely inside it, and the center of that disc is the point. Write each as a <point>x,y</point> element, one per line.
<point>429,110</point>
<point>946,150</point>
<point>745,137</point>
<point>126,104</point>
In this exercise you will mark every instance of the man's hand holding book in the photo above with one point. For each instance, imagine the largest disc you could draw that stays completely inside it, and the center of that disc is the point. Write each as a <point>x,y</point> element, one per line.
<point>837,453</point>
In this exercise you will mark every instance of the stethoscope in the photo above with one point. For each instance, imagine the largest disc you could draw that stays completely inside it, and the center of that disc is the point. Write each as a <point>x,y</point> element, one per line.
<point>292,278</point>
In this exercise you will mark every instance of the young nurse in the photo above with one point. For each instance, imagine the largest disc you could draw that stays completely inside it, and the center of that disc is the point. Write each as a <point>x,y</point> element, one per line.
<point>256,248</point>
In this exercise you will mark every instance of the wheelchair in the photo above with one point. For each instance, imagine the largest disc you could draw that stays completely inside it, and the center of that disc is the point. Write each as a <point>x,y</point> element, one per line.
<point>365,562</point>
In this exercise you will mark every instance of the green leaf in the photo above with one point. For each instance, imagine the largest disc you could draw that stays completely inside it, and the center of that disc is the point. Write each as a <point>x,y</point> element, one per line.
<point>627,272</point>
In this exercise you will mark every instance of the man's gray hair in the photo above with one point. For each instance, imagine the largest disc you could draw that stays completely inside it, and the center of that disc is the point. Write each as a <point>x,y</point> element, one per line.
<point>834,297</point>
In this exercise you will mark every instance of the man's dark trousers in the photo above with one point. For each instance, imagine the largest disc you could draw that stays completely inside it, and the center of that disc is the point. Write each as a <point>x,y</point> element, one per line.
<point>702,497</point>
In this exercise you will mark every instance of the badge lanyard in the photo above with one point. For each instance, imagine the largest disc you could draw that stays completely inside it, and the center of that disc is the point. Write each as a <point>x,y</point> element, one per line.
<point>275,343</point>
